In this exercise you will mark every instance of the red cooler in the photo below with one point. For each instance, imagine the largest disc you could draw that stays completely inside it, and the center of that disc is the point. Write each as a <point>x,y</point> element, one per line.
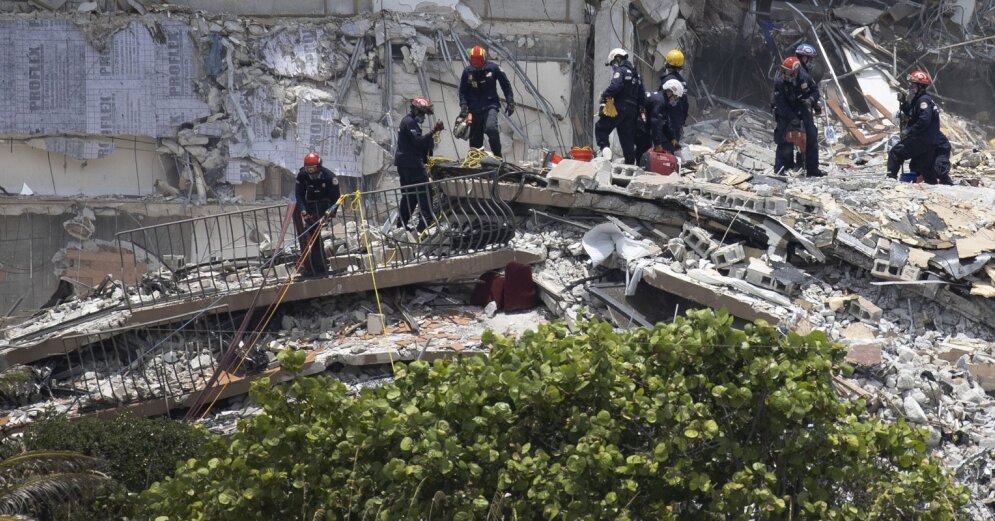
<point>663,163</point>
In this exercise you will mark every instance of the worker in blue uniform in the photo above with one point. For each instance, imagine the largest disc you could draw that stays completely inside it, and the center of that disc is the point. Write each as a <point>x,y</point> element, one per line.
<point>787,107</point>
<point>621,107</point>
<point>478,96</point>
<point>920,133</point>
<point>413,150</point>
<point>673,71</point>
<point>316,192</point>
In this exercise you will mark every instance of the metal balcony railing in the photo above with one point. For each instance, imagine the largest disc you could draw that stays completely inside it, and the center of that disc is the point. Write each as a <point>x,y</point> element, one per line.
<point>239,251</point>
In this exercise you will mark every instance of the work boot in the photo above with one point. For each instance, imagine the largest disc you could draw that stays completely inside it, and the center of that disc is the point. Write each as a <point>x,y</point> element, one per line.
<point>817,173</point>
<point>892,175</point>
<point>606,153</point>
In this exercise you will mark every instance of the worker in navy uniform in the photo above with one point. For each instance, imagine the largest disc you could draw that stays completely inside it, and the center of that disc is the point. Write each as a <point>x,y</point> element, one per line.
<point>478,96</point>
<point>787,114</point>
<point>812,101</point>
<point>920,134</point>
<point>941,162</point>
<point>626,95</point>
<point>413,150</point>
<point>317,191</point>
<point>660,106</point>
<point>672,71</point>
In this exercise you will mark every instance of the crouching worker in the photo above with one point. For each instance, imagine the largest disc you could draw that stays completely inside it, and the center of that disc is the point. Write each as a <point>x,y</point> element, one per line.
<point>921,141</point>
<point>413,150</point>
<point>317,191</point>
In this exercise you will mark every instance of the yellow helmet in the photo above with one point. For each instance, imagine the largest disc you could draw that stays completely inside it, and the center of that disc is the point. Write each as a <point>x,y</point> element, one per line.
<point>675,58</point>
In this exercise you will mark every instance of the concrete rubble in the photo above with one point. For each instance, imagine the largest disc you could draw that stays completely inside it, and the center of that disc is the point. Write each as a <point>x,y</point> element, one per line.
<point>902,274</point>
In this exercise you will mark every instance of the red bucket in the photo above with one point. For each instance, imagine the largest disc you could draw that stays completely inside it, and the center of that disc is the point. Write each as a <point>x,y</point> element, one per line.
<point>582,153</point>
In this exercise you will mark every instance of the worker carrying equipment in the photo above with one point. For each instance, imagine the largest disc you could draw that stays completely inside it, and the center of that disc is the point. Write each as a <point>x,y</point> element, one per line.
<point>478,95</point>
<point>622,102</point>
<point>461,128</point>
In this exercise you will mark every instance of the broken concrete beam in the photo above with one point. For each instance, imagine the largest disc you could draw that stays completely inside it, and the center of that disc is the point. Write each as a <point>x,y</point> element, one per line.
<point>571,176</point>
<point>865,310</point>
<point>716,170</point>
<point>684,286</point>
<point>654,185</point>
<point>728,255</point>
<point>807,203</point>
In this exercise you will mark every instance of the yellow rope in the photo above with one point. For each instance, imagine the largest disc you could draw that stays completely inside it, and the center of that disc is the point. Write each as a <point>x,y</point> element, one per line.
<point>357,203</point>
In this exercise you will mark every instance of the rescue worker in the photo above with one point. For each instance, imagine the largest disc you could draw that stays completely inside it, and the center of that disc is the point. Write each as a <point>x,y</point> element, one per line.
<point>478,96</point>
<point>413,150</point>
<point>672,71</point>
<point>920,134</point>
<point>317,191</point>
<point>941,162</point>
<point>806,54</point>
<point>660,107</point>
<point>812,101</point>
<point>787,107</point>
<point>623,99</point>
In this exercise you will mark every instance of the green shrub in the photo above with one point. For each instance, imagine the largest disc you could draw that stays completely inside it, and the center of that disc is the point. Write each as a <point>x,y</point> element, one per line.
<point>135,451</point>
<point>690,420</point>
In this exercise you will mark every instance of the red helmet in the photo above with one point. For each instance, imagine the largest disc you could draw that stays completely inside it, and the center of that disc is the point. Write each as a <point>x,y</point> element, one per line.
<point>791,64</point>
<point>478,56</point>
<point>421,103</point>
<point>920,77</point>
<point>312,159</point>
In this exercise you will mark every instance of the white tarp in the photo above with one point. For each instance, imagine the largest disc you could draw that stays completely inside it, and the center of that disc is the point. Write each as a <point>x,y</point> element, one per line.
<point>605,239</point>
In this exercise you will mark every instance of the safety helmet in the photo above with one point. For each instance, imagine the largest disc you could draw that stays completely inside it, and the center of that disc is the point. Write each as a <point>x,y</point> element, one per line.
<point>674,86</point>
<point>478,56</point>
<point>423,105</point>
<point>920,77</point>
<point>615,53</point>
<point>791,64</point>
<point>312,159</point>
<point>675,58</point>
<point>806,49</point>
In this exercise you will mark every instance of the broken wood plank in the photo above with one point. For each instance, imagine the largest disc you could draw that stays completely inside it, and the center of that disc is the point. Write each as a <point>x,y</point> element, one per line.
<point>851,126</point>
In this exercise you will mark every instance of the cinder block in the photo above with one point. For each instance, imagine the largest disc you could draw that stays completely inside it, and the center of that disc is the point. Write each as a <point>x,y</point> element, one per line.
<point>864,309</point>
<point>571,176</point>
<point>654,185</point>
<point>738,271</point>
<point>375,323</point>
<point>775,205</point>
<point>698,240</point>
<point>910,272</point>
<point>728,255</point>
<point>883,269</point>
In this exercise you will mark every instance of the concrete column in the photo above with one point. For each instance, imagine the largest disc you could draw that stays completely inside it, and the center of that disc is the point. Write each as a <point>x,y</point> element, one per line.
<point>611,29</point>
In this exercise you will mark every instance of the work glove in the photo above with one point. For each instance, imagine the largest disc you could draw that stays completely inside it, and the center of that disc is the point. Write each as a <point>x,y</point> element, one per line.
<point>509,109</point>
<point>658,148</point>
<point>306,217</point>
<point>601,108</point>
<point>676,144</point>
<point>463,111</point>
<point>439,125</point>
<point>817,108</point>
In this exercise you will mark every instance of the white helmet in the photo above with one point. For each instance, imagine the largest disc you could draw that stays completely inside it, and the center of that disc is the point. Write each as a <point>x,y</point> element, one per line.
<point>674,86</point>
<point>616,52</point>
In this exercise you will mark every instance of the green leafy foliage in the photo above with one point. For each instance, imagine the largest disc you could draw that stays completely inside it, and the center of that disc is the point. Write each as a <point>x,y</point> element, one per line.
<point>690,420</point>
<point>134,451</point>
